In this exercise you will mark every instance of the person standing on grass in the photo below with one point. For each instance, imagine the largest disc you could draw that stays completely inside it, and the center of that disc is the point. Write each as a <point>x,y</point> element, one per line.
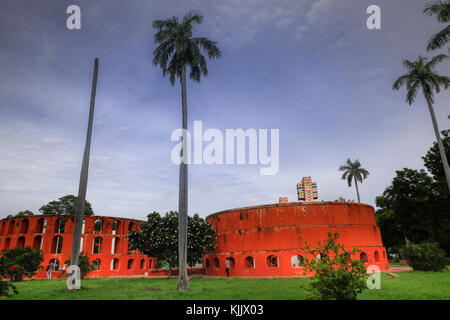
<point>227,267</point>
<point>50,269</point>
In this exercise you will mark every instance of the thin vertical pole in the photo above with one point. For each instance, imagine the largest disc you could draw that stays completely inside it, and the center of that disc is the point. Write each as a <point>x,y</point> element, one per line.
<point>78,224</point>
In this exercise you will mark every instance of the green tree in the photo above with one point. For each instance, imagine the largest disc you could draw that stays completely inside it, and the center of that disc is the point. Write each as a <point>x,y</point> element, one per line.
<point>27,262</point>
<point>421,75</point>
<point>177,49</point>
<point>433,161</point>
<point>159,238</point>
<point>417,207</point>
<point>24,213</point>
<point>336,275</point>
<point>353,171</point>
<point>65,206</point>
<point>440,9</point>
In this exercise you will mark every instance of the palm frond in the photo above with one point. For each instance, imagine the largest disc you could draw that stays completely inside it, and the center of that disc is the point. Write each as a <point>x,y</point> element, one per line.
<point>439,39</point>
<point>434,61</point>
<point>440,9</point>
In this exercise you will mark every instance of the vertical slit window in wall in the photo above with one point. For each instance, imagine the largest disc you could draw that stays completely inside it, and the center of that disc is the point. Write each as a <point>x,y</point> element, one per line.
<point>130,264</point>
<point>142,263</point>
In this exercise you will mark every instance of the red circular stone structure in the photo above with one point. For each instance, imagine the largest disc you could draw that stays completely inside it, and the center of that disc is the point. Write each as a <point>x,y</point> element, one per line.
<point>107,244</point>
<point>267,240</point>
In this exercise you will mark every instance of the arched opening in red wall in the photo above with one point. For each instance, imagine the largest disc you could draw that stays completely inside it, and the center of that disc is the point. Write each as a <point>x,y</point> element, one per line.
<point>232,262</point>
<point>363,257</point>
<point>37,243</point>
<point>130,264</point>
<point>115,245</point>
<point>60,225</point>
<point>57,245</point>
<point>20,242</point>
<point>377,256</point>
<point>297,261</point>
<point>115,227</point>
<point>250,262</point>
<point>24,226</point>
<point>41,225</point>
<point>142,263</point>
<point>2,228</point>
<point>56,262</point>
<point>131,226</point>
<point>207,263</point>
<point>98,226</point>
<point>97,245</point>
<point>96,264</point>
<point>216,263</point>
<point>7,244</point>
<point>114,264</point>
<point>272,261</point>
<point>11,227</point>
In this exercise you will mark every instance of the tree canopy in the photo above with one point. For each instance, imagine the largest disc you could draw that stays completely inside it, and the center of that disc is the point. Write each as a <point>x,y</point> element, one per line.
<point>178,48</point>
<point>417,205</point>
<point>159,238</point>
<point>65,206</point>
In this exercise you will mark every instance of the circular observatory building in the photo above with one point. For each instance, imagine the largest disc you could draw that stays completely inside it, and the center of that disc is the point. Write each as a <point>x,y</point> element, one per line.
<point>269,240</point>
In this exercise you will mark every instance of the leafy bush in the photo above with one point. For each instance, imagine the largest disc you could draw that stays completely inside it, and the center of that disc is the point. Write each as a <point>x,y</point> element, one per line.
<point>5,284</point>
<point>21,262</point>
<point>426,256</point>
<point>84,264</point>
<point>336,275</point>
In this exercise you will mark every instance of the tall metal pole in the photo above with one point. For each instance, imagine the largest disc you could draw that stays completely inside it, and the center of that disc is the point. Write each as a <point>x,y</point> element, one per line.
<point>78,225</point>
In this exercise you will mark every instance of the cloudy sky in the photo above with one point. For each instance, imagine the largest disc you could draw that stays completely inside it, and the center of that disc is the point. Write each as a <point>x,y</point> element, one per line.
<point>311,69</point>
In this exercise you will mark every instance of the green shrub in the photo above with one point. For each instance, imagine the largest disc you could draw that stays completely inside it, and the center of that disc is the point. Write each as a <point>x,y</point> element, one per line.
<point>336,275</point>
<point>21,262</point>
<point>84,264</point>
<point>5,284</point>
<point>426,256</point>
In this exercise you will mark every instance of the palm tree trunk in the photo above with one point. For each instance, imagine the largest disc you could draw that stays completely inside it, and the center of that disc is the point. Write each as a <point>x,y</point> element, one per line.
<point>357,191</point>
<point>183,196</point>
<point>78,224</point>
<point>439,140</point>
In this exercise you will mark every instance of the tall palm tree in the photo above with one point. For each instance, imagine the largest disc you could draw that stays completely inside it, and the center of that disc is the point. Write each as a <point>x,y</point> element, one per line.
<point>353,171</point>
<point>178,49</point>
<point>440,9</point>
<point>421,75</point>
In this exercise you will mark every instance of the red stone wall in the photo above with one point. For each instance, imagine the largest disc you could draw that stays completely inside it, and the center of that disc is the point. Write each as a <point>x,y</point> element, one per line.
<point>280,230</point>
<point>14,232</point>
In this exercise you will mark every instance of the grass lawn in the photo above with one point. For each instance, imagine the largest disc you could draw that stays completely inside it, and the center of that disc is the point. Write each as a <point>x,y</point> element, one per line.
<point>408,285</point>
